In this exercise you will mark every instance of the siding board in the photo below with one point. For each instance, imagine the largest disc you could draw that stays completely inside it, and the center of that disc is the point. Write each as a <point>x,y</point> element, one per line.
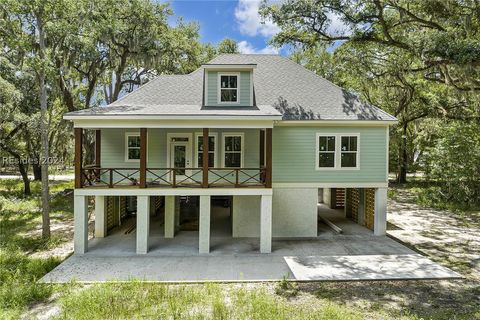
<point>294,155</point>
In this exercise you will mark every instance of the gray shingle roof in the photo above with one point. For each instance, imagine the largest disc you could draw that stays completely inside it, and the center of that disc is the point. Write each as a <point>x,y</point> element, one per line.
<point>279,84</point>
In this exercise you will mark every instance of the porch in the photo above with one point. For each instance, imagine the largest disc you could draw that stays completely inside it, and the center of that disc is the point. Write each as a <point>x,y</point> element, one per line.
<point>174,158</point>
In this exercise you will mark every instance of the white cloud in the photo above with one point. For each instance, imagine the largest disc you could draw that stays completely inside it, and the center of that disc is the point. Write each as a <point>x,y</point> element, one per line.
<point>246,47</point>
<point>249,21</point>
<point>337,26</point>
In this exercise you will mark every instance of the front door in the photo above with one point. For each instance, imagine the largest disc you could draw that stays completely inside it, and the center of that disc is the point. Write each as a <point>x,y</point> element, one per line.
<point>180,159</point>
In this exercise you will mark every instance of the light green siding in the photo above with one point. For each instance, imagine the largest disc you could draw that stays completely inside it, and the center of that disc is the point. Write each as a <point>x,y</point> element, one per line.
<point>212,89</point>
<point>294,155</point>
<point>113,147</point>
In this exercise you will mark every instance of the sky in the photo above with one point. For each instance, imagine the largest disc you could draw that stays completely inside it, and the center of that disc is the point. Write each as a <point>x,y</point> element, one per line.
<point>235,19</point>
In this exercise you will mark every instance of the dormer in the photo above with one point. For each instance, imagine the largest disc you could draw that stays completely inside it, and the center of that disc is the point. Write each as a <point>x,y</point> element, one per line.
<point>228,85</point>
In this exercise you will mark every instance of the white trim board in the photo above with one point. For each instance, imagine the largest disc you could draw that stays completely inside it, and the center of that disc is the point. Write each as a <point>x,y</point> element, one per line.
<point>173,192</point>
<point>336,123</point>
<point>294,185</point>
<point>133,123</point>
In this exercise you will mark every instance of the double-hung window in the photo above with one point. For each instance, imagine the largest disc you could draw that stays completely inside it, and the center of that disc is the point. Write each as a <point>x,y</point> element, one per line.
<point>212,141</point>
<point>349,152</point>
<point>337,151</point>
<point>132,147</point>
<point>326,151</point>
<point>228,88</point>
<point>233,150</point>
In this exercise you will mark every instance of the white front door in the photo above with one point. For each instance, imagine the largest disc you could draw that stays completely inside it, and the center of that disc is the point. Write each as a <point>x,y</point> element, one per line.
<point>180,157</point>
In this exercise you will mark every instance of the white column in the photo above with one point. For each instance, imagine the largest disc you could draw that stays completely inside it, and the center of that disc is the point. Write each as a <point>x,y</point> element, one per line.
<point>80,212</point>
<point>327,197</point>
<point>100,217</point>
<point>380,218</point>
<point>204,225</point>
<point>169,216</point>
<point>143,224</point>
<point>361,206</point>
<point>177,214</point>
<point>266,224</point>
<point>346,214</point>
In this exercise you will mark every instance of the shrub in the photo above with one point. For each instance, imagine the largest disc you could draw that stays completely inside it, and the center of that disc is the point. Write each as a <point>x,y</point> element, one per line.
<point>454,162</point>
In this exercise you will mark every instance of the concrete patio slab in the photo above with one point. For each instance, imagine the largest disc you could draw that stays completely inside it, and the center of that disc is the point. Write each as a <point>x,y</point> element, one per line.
<point>356,254</point>
<point>367,267</point>
<point>343,258</point>
<point>171,269</point>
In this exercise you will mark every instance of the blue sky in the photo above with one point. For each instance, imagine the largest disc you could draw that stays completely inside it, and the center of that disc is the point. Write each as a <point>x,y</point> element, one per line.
<point>238,20</point>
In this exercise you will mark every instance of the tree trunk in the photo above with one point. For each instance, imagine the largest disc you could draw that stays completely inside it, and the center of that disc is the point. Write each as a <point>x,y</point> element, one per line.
<point>26,181</point>
<point>43,130</point>
<point>403,156</point>
<point>37,171</point>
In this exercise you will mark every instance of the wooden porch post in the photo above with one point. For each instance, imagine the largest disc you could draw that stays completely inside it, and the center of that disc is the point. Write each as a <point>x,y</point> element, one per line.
<point>78,133</point>
<point>205,158</point>
<point>98,149</point>
<point>143,158</point>
<point>262,148</point>
<point>268,176</point>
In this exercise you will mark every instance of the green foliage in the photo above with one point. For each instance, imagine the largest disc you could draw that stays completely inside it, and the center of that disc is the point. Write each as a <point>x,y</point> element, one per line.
<point>147,300</point>
<point>19,219</point>
<point>18,280</point>
<point>227,45</point>
<point>454,160</point>
<point>286,288</point>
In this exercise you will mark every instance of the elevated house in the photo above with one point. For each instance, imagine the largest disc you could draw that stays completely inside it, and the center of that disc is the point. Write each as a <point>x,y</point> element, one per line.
<point>259,133</point>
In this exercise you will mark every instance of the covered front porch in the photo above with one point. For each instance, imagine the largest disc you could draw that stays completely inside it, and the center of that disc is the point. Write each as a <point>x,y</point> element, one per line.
<point>173,157</point>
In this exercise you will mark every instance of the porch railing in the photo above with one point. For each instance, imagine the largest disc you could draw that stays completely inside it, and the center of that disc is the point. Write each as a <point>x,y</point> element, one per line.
<point>236,177</point>
<point>174,177</point>
<point>95,176</point>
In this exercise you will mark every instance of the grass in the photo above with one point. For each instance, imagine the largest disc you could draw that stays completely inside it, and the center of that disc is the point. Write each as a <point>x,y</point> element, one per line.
<point>210,301</point>
<point>20,236</point>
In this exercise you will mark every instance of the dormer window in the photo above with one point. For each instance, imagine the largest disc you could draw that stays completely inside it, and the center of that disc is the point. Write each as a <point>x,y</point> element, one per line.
<point>228,88</point>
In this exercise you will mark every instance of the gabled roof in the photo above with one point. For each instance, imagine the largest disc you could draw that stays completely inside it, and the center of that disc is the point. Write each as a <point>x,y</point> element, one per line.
<point>281,87</point>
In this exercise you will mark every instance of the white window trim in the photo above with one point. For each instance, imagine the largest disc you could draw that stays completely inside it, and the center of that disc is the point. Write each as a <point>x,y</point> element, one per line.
<point>215,152</point>
<point>219,87</point>
<point>130,134</point>
<point>242,146</point>
<point>317,151</point>
<point>357,156</point>
<point>338,151</point>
